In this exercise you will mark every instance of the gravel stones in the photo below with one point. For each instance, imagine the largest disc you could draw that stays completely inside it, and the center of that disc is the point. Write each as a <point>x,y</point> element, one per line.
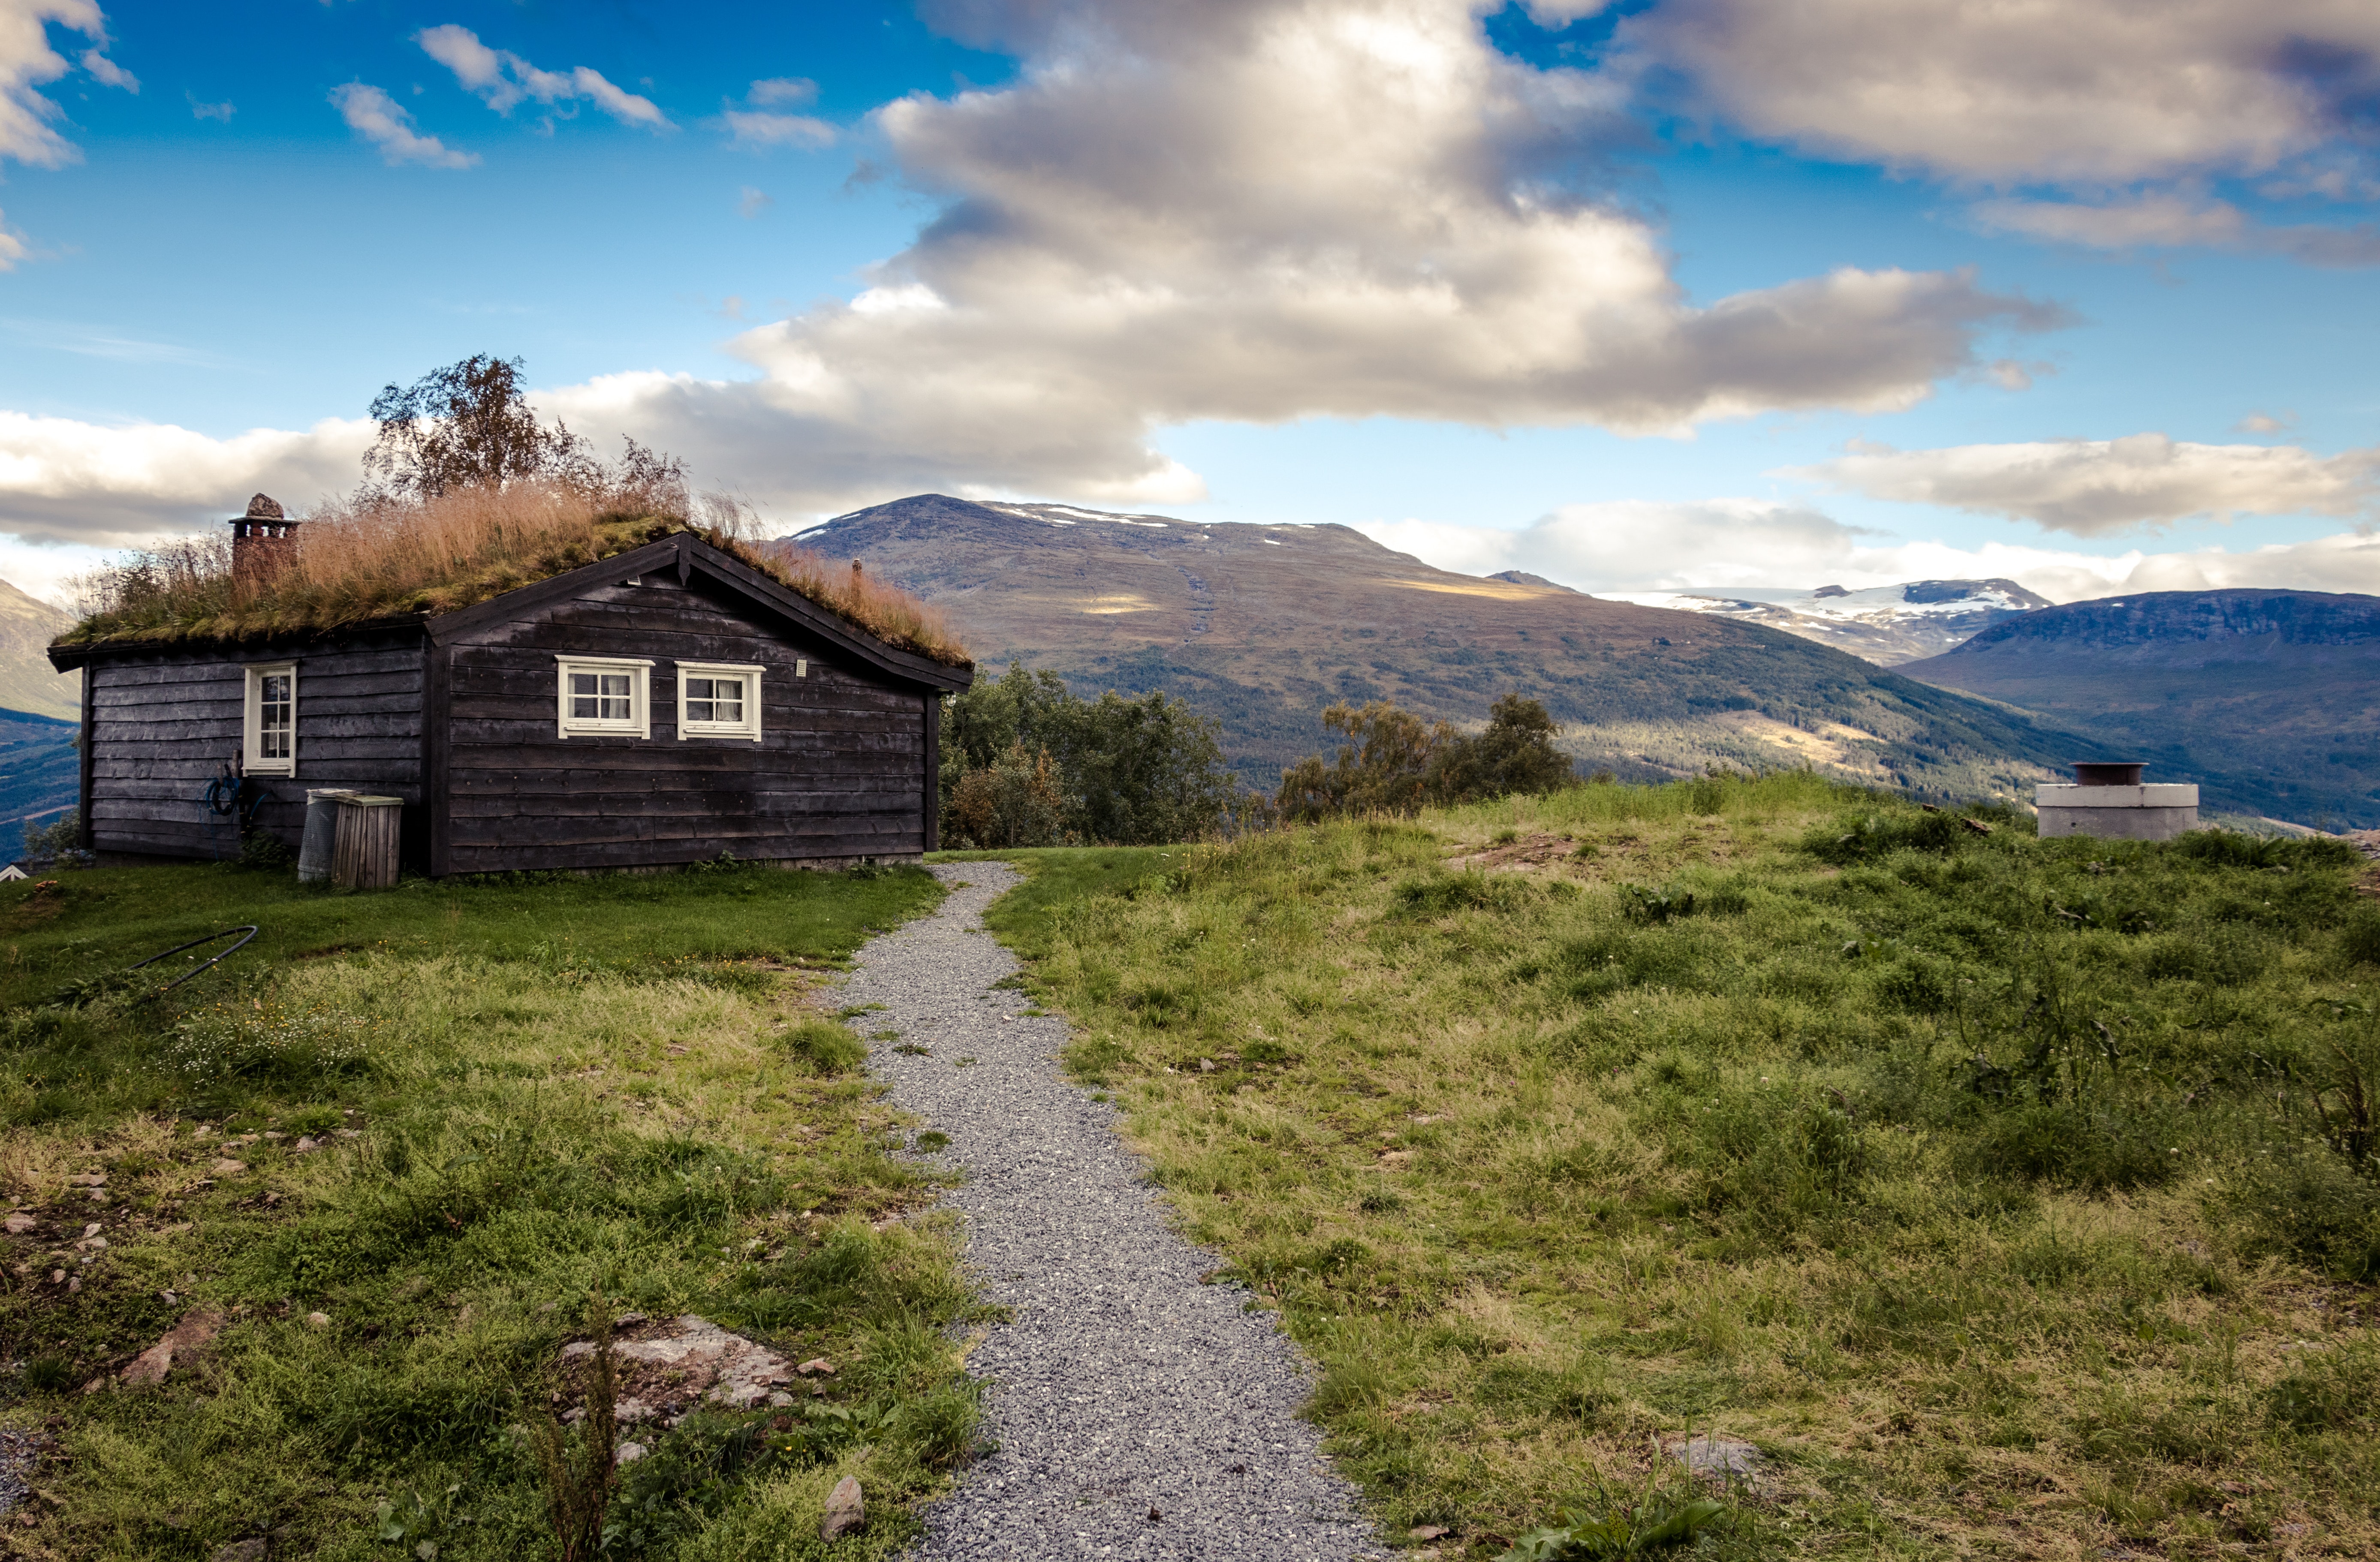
<point>1122,1387</point>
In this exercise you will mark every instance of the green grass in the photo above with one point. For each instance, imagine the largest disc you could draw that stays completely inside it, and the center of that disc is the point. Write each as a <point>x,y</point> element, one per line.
<point>525,1093</point>
<point>2009,1194</point>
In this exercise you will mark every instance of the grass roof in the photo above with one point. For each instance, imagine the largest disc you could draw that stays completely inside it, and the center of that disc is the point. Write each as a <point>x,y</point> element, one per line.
<point>381,558</point>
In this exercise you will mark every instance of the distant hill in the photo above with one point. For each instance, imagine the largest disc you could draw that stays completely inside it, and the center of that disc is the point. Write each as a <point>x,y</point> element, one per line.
<point>27,680</point>
<point>1262,626</point>
<point>2269,699</point>
<point>40,773</point>
<point>1885,624</point>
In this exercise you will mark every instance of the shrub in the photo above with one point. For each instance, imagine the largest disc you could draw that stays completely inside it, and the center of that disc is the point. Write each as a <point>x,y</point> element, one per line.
<point>2358,941</point>
<point>1136,771</point>
<point>826,1046</point>
<point>1015,801</point>
<point>1395,763</point>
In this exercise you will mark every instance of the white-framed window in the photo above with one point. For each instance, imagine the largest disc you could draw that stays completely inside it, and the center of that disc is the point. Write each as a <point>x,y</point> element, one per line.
<point>718,700</point>
<point>598,695</point>
<point>269,720</point>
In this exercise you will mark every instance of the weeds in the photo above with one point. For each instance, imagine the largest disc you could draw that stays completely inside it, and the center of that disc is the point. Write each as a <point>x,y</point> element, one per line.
<point>578,1479</point>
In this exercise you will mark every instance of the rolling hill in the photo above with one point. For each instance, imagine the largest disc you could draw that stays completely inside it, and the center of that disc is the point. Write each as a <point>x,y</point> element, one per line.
<point>2269,699</point>
<point>1263,626</point>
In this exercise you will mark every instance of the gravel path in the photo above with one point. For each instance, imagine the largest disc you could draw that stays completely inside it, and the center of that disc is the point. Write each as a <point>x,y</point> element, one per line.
<point>1138,1413</point>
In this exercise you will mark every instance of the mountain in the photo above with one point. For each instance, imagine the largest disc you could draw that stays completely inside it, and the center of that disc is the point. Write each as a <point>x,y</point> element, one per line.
<point>27,680</point>
<point>2269,699</point>
<point>1261,626</point>
<point>39,772</point>
<point>1885,624</point>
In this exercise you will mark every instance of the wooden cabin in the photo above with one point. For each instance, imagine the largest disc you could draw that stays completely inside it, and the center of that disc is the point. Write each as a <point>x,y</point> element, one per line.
<point>661,707</point>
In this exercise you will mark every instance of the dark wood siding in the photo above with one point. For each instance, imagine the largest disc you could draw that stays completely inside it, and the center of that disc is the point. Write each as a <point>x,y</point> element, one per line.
<point>163,726</point>
<point>838,773</point>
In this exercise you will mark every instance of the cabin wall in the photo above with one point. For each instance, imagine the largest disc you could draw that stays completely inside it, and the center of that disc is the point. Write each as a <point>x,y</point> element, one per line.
<point>840,773</point>
<point>163,726</point>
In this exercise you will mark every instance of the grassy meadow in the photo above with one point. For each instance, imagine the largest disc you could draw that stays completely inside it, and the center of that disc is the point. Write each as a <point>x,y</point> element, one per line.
<point>2012,1197</point>
<point>398,1142</point>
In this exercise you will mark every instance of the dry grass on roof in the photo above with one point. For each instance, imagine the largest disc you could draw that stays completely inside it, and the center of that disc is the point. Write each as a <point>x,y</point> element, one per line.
<point>357,561</point>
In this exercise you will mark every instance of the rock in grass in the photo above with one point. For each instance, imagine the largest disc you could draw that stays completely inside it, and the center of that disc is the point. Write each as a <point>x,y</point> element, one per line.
<point>20,1223</point>
<point>256,1548</point>
<point>664,1365</point>
<point>193,1333</point>
<point>1719,1457</point>
<point>846,1510</point>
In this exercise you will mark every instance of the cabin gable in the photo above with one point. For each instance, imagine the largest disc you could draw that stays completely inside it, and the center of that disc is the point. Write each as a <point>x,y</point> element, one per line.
<point>838,773</point>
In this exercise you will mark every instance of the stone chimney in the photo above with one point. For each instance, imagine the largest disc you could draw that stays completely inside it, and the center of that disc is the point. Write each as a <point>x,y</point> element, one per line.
<point>260,540</point>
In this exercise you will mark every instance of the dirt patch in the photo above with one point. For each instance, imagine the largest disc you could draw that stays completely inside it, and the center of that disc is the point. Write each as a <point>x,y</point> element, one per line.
<point>1528,850</point>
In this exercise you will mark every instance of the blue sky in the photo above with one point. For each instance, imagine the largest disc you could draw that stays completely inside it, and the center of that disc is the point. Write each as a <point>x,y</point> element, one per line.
<point>1694,292</point>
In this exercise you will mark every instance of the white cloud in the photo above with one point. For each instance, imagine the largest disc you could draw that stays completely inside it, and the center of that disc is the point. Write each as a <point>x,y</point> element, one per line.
<point>67,482</point>
<point>1722,543</point>
<point>753,129</point>
<point>2066,91</point>
<point>12,244</point>
<point>503,79</point>
<point>782,91</point>
<point>27,62</point>
<point>108,73</point>
<point>752,202</point>
<point>380,119</point>
<point>220,111</point>
<point>2264,423</point>
<point>2166,220</point>
<point>2098,487</point>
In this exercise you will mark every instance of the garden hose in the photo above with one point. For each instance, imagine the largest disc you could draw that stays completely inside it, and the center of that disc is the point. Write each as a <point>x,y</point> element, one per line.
<point>250,928</point>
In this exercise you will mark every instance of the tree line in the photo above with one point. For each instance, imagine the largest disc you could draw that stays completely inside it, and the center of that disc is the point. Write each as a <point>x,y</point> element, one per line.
<point>1025,762</point>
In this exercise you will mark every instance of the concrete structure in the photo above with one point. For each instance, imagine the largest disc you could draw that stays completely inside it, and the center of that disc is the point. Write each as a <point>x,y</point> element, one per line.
<point>2112,802</point>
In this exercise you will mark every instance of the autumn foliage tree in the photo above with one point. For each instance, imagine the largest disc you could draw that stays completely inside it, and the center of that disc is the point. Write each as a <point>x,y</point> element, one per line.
<point>468,425</point>
<point>1395,763</point>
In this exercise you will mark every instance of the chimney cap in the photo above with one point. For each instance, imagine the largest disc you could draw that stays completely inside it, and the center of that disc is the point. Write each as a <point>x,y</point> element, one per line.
<point>263,507</point>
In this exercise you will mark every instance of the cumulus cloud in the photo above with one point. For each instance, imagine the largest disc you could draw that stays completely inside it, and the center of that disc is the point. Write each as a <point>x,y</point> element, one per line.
<point>1252,210</point>
<point>28,63</point>
<point>2170,219</point>
<point>503,79</point>
<point>68,482</point>
<point>1264,211</point>
<point>2105,92</point>
<point>1725,543</point>
<point>380,119</point>
<point>2098,487</point>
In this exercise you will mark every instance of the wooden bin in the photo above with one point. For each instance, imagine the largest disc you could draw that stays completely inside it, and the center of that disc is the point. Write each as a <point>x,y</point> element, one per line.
<point>365,855</point>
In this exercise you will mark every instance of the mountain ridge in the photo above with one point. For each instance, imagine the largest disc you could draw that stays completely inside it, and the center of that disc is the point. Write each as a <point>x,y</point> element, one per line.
<point>1262,625</point>
<point>2269,698</point>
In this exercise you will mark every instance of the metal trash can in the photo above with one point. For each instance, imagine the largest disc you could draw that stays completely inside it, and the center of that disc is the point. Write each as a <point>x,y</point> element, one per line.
<point>364,856</point>
<point>321,835</point>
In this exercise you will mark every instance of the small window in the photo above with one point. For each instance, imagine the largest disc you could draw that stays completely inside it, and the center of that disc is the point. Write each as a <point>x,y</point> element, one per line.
<point>718,700</point>
<point>602,693</point>
<point>269,746</point>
